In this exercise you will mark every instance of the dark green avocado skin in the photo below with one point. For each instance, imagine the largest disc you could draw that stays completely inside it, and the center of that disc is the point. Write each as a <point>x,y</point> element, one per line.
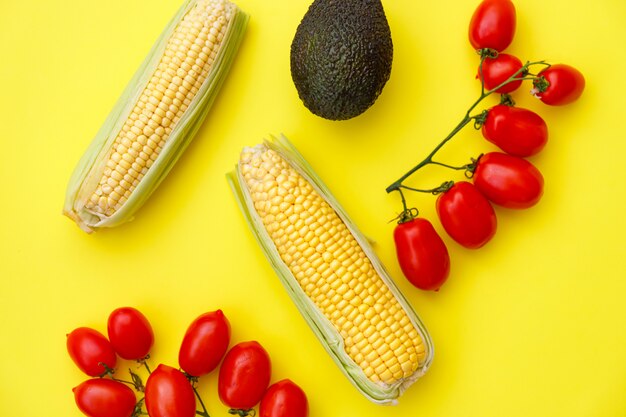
<point>341,57</point>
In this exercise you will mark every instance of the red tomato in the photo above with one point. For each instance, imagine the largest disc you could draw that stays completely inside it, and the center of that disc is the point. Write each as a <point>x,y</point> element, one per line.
<point>284,399</point>
<point>497,70</point>
<point>90,351</point>
<point>244,375</point>
<point>508,181</point>
<point>492,25</point>
<point>204,344</point>
<point>561,84</point>
<point>467,215</point>
<point>102,397</point>
<point>169,394</point>
<point>422,255</point>
<point>130,333</point>
<point>516,131</point>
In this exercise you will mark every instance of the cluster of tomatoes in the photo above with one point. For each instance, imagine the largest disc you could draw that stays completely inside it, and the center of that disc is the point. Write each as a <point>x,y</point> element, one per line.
<point>504,178</point>
<point>243,382</point>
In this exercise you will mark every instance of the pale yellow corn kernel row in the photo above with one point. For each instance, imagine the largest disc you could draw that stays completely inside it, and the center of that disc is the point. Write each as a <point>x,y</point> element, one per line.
<point>332,269</point>
<point>183,68</point>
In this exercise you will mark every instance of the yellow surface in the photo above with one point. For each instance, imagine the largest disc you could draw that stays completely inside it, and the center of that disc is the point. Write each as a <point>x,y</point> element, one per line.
<point>530,325</point>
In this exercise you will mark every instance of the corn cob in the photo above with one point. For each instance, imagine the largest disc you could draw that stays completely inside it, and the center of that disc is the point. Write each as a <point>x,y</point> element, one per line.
<point>157,115</point>
<point>331,272</point>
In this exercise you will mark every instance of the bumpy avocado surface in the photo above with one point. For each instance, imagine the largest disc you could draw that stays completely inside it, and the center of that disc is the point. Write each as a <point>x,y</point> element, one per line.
<point>341,57</point>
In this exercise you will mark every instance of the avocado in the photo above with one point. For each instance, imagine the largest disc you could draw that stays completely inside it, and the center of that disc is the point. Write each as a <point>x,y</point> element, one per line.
<point>341,57</point>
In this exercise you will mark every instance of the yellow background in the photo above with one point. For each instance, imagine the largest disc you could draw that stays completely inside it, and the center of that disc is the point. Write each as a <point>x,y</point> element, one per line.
<point>531,325</point>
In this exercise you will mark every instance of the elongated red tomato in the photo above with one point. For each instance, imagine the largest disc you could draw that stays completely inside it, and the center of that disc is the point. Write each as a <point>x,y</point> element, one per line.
<point>244,375</point>
<point>560,84</point>
<point>102,397</point>
<point>467,215</point>
<point>130,333</point>
<point>515,130</point>
<point>91,351</point>
<point>169,394</point>
<point>284,399</point>
<point>422,255</point>
<point>493,25</point>
<point>205,343</point>
<point>497,70</point>
<point>508,181</point>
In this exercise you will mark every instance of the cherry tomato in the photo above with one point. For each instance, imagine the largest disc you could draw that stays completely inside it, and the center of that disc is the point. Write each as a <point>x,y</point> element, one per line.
<point>516,131</point>
<point>204,344</point>
<point>284,399</point>
<point>91,351</point>
<point>508,181</point>
<point>244,375</point>
<point>467,215</point>
<point>169,394</point>
<point>561,84</point>
<point>492,25</point>
<point>422,255</point>
<point>102,397</point>
<point>130,333</point>
<point>497,70</point>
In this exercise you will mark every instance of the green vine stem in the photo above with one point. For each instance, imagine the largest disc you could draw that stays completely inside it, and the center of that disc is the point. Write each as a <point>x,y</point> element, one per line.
<point>437,190</point>
<point>204,411</point>
<point>193,380</point>
<point>110,372</point>
<point>139,408</point>
<point>520,75</point>
<point>144,362</point>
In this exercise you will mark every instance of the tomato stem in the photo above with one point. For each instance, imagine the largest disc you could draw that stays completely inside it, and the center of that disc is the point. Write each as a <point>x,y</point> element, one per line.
<point>456,168</point>
<point>428,160</point>
<point>204,411</point>
<point>436,190</point>
<point>521,74</point>
<point>133,384</point>
<point>144,362</point>
<point>404,206</point>
<point>136,382</point>
<point>139,408</point>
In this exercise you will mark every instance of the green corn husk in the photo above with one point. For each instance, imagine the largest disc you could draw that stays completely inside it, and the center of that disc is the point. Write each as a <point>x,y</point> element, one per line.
<point>325,331</point>
<point>90,167</point>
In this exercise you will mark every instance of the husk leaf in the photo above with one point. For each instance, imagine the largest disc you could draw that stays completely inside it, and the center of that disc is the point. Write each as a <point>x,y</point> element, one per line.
<point>89,168</point>
<point>321,326</point>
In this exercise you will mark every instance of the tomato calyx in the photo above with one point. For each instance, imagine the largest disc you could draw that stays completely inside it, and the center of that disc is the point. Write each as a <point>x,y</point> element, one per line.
<point>507,100</point>
<point>540,85</point>
<point>108,371</point>
<point>480,119</point>
<point>487,53</point>
<point>407,215</point>
<point>242,412</point>
<point>192,379</point>
<point>445,186</point>
<point>471,167</point>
